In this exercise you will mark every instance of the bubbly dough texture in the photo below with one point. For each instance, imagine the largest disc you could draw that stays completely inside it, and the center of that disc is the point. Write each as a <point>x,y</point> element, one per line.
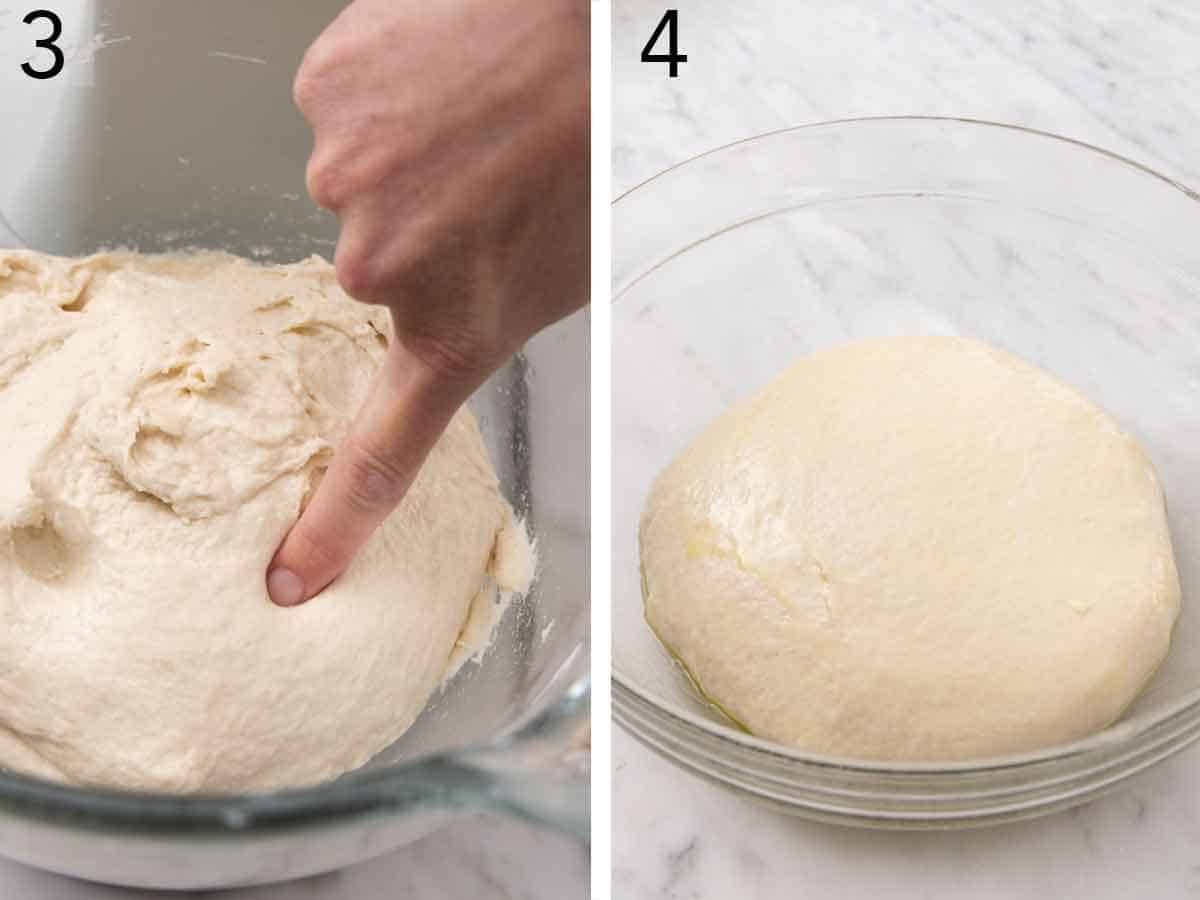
<point>164,419</point>
<point>919,549</point>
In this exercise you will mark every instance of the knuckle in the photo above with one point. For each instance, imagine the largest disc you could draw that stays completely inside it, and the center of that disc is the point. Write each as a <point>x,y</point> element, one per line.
<point>375,483</point>
<point>372,267</point>
<point>319,63</point>
<point>356,273</point>
<point>320,59</point>
<point>304,90</point>
<point>327,183</point>
<point>462,358</point>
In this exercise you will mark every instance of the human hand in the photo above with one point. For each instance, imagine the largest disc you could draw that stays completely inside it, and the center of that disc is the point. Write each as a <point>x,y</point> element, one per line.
<point>451,140</point>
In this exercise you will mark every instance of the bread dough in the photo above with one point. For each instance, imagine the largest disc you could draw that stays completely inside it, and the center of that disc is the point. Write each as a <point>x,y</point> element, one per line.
<point>918,549</point>
<point>165,417</point>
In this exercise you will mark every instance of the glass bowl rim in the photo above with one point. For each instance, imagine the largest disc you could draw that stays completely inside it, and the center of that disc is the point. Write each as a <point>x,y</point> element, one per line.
<point>987,124</point>
<point>1117,736</point>
<point>448,780</point>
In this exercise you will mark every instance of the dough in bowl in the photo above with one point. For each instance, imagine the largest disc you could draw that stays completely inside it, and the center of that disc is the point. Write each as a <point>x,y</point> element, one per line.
<point>164,419</point>
<point>917,549</point>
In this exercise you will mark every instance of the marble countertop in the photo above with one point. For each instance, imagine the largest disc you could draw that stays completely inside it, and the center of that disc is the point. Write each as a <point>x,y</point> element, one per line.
<point>1121,75</point>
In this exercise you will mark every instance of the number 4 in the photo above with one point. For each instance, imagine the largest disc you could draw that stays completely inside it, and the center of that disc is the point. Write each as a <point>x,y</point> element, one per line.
<point>670,21</point>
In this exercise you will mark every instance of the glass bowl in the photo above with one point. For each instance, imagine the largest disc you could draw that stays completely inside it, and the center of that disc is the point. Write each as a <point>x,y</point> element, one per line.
<point>172,128</point>
<point>731,266</point>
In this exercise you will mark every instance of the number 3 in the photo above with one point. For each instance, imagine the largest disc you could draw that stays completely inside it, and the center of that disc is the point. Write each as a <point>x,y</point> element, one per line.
<point>46,43</point>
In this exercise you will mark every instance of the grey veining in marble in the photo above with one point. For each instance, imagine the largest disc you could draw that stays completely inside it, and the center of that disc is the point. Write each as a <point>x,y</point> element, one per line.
<point>1121,75</point>
<point>680,839</point>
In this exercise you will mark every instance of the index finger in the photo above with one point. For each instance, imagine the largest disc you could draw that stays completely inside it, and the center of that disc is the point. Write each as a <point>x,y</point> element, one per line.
<point>406,411</point>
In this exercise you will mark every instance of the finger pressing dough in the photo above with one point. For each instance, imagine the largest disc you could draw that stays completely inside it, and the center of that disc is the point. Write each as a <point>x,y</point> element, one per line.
<point>914,549</point>
<point>164,418</point>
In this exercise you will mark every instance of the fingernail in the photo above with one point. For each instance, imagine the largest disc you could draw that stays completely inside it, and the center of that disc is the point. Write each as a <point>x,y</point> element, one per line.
<point>285,587</point>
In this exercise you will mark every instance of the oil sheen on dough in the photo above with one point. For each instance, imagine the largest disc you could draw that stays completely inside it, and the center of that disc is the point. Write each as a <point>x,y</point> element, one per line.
<point>913,549</point>
<point>164,419</point>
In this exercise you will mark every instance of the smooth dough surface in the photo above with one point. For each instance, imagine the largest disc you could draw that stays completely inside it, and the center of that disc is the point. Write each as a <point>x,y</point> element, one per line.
<point>916,548</point>
<point>164,418</point>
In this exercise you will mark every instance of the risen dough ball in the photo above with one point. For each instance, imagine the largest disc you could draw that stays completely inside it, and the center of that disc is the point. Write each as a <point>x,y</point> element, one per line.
<point>913,549</point>
<point>164,419</point>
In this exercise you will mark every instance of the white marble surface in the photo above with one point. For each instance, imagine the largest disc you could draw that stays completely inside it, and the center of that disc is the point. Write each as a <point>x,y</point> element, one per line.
<point>1121,75</point>
<point>1124,75</point>
<point>485,857</point>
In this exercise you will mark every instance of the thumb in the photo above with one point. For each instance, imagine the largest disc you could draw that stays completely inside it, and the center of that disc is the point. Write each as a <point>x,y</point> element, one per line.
<point>406,411</point>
